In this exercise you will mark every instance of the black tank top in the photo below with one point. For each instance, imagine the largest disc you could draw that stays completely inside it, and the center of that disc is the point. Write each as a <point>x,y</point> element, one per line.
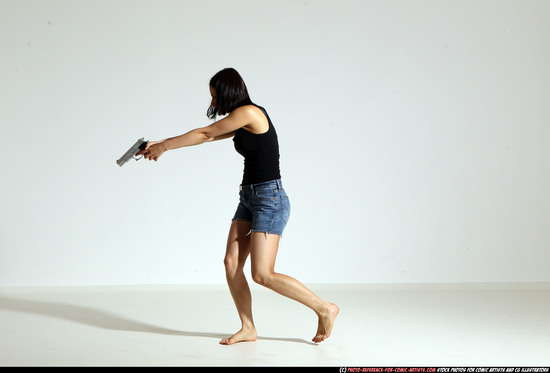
<point>260,152</point>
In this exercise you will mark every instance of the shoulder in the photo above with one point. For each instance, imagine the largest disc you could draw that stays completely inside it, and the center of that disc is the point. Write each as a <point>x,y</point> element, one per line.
<point>255,119</point>
<point>248,110</point>
<point>250,114</point>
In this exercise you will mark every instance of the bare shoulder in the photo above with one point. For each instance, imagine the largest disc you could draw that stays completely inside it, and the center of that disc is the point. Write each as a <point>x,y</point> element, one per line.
<point>254,117</point>
<point>248,110</point>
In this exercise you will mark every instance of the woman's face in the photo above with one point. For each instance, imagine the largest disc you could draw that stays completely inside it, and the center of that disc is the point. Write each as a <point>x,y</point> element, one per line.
<point>213,94</point>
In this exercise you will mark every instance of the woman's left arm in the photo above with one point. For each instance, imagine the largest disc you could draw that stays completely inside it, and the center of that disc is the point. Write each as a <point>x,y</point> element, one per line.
<point>224,128</point>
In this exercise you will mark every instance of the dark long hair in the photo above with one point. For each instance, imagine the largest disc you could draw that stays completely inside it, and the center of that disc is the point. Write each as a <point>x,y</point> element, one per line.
<point>231,92</point>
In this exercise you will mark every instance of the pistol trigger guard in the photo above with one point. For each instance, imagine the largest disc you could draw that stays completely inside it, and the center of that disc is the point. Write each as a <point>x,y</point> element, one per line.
<point>137,159</point>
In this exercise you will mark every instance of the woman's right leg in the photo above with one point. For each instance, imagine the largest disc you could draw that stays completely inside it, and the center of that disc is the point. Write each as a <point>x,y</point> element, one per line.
<point>237,251</point>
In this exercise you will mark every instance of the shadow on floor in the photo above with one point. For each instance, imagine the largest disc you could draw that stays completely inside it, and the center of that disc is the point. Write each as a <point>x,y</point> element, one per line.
<point>106,320</point>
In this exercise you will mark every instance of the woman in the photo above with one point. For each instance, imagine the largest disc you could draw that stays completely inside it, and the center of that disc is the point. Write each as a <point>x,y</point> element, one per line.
<point>264,207</point>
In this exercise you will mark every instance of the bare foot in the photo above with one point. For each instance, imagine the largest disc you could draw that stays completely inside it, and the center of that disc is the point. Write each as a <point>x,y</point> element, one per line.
<point>248,335</point>
<point>326,321</point>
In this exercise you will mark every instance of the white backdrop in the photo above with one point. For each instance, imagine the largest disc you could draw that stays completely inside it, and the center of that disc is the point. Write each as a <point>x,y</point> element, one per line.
<point>414,135</point>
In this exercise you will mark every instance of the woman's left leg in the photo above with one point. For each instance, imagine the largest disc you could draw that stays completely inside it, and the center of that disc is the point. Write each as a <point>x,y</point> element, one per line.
<point>263,253</point>
<point>237,251</point>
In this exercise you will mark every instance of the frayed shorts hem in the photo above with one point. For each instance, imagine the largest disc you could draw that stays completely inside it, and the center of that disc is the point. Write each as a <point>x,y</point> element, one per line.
<point>266,231</point>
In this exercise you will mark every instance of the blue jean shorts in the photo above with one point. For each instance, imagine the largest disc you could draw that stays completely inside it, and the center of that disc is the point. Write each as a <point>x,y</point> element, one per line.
<point>265,205</point>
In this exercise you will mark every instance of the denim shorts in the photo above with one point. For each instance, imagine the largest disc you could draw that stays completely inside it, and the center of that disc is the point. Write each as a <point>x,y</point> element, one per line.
<point>265,205</point>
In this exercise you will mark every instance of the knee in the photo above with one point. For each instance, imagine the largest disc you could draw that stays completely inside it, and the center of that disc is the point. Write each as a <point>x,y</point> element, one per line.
<point>262,277</point>
<point>231,265</point>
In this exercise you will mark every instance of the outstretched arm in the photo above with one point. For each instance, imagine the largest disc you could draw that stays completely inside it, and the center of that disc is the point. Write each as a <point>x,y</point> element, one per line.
<point>222,129</point>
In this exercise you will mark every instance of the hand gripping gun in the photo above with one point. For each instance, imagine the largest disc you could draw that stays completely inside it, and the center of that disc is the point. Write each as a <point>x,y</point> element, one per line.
<point>136,148</point>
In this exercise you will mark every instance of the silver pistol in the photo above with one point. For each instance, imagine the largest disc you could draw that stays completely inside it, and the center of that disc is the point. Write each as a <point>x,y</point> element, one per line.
<point>136,148</point>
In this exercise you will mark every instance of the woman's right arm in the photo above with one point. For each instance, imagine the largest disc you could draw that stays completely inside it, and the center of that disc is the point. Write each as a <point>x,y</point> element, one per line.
<point>222,137</point>
<point>222,129</point>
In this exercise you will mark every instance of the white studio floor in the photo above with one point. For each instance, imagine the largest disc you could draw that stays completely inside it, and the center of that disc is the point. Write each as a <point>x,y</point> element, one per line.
<point>449,325</point>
